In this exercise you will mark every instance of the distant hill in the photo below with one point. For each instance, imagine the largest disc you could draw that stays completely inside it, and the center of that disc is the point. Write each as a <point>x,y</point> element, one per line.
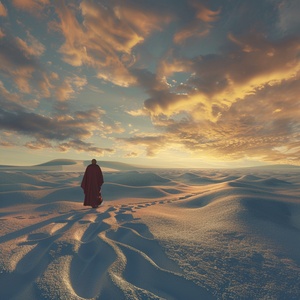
<point>80,165</point>
<point>276,167</point>
<point>58,162</point>
<point>73,165</point>
<point>107,164</point>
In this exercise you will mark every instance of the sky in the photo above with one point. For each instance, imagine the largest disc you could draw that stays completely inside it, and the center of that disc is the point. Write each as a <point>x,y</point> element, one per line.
<point>166,83</point>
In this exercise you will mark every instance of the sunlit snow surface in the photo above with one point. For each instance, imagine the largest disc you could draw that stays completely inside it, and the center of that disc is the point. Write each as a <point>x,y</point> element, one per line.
<point>160,234</point>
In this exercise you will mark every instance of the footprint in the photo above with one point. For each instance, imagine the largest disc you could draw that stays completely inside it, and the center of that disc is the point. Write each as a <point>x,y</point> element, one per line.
<point>35,237</point>
<point>120,217</point>
<point>93,230</point>
<point>84,221</point>
<point>58,228</point>
<point>112,208</point>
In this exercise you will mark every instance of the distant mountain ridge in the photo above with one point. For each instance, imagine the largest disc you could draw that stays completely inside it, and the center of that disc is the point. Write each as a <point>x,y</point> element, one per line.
<point>58,162</point>
<point>277,166</point>
<point>71,164</point>
<point>108,164</point>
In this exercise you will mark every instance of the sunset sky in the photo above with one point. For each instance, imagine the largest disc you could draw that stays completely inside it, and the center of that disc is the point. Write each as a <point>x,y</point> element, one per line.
<point>168,83</point>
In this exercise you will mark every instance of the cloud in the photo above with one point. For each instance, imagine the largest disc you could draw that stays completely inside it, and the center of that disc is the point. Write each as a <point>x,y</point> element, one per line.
<point>2,34</point>
<point>38,145</point>
<point>161,100</point>
<point>76,144</point>
<point>264,124</point>
<point>132,154</point>
<point>81,146</point>
<point>59,130</point>
<point>7,139</point>
<point>19,61</point>
<point>288,21</point>
<point>34,7</point>
<point>218,80</point>
<point>69,86</point>
<point>166,102</point>
<point>6,144</point>
<point>13,57</point>
<point>41,126</point>
<point>3,10</point>
<point>170,64</point>
<point>152,143</point>
<point>14,101</point>
<point>31,48</point>
<point>200,23</point>
<point>94,44</point>
<point>203,13</point>
<point>104,40</point>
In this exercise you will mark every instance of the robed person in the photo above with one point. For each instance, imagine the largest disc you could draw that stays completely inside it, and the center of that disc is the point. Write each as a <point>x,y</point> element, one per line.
<point>91,185</point>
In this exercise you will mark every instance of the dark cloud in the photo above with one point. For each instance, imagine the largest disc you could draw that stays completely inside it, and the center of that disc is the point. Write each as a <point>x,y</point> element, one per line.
<point>41,126</point>
<point>14,57</point>
<point>64,131</point>
<point>19,62</point>
<point>160,95</point>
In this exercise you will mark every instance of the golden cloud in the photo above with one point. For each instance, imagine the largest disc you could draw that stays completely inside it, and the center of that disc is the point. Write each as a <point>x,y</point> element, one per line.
<point>248,128</point>
<point>105,38</point>
<point>3,10</point>
<point>170,65</point>
<point>2,34</point>
<point>32,6</point>
<point>69,86</point>
<point>218,81</point>
<point>143,22</point>
<point>30,48</point>
<point>200,25</point>
<point>38,145</point>
<point>203,13</point>
<point>18,60</point>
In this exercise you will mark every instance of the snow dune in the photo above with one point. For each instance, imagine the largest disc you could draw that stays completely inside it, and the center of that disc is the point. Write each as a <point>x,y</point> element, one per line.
<point>160,234</point>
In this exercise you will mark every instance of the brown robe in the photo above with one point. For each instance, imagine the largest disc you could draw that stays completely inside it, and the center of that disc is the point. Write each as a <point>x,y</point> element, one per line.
<point>91,185</point>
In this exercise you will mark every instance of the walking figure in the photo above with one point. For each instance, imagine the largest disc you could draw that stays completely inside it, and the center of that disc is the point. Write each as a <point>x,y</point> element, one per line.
<point>91,185</point>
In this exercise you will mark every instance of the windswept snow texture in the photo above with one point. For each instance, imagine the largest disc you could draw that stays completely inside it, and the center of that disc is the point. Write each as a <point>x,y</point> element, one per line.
<point>160,234</point>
